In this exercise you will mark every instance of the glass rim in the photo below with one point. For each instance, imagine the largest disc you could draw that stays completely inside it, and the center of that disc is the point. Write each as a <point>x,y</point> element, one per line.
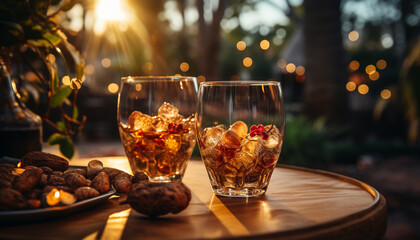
<point>239,83</point>
<point>156,78</point>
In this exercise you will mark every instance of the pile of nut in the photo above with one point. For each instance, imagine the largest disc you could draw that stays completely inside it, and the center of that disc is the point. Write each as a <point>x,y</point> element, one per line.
<point>41,177</point>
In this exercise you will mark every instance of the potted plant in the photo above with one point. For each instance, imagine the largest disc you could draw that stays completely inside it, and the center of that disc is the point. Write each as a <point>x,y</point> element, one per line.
<point>31,39</point>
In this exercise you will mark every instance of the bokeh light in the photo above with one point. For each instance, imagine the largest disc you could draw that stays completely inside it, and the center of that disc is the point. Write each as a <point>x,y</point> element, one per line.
<point>184,66</point>
<point>374,76</point>
<point>89,69</point>
<point>281,63</point>
<point>66,80</point>
<point>381,64</point>
<point>264,44</point>
<point>354,65</point>
<point>351,86</point>
<point>106,62</point>
<point>247,62</point>
<point>385,94</point>
<point>290,68</point>
<point>241,45</point>
<point>370,69</point>
<point>113,87</point>
<point>300,70</point>
<point>353,36</point>
<point>363,89</point>
<point>201,78</point>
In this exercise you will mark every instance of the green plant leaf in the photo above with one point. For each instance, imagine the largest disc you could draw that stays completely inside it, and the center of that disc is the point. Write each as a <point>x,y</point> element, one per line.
<point>67,148</point>
<point>61,125</point>
<point>55,139</point>
<point>60,95</point>
<point>65,144</point>
<point>78,60</point>
<point>55,81</point>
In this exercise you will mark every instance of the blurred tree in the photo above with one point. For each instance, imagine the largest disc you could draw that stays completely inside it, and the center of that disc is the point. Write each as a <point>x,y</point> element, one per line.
<point>209,40</point>
<point>324,89</point>
<point>147,12</point>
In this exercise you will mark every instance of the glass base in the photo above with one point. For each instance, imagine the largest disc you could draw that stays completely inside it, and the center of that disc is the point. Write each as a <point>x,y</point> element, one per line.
<point>243,192</point>
<point>172,178</point>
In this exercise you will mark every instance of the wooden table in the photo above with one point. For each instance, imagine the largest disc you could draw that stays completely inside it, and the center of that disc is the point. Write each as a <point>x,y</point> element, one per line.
<point>299,204</point>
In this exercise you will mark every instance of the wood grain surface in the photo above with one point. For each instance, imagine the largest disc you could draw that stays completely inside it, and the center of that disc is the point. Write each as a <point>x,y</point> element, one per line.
<point>299,204</point>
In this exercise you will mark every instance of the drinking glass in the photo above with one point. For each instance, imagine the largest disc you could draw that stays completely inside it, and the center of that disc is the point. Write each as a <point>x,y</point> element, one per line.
<point>240,129</point>
<point>157,125</point>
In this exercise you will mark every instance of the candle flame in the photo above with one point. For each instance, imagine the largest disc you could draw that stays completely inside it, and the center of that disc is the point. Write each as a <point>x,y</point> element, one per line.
<point>53,197</point>
<point>19,164</point>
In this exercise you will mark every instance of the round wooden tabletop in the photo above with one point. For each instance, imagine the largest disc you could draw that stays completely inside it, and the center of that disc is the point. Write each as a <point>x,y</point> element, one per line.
<point>299,204</point>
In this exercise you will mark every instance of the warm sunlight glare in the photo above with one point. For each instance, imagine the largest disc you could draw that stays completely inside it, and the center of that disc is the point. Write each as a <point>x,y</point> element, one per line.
<point>110,11</point>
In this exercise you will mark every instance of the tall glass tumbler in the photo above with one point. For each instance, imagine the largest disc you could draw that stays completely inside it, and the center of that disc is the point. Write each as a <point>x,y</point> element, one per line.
<point>240,129</point>
<point>157,124</point>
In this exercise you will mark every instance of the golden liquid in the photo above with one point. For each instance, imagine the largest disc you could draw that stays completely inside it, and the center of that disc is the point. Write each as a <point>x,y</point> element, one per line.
<point>245,170</point>
<point>163,156</point>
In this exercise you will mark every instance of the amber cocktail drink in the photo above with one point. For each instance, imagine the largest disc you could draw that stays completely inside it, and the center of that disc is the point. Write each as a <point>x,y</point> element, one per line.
<point>158,139</point>
<point>240,130</point>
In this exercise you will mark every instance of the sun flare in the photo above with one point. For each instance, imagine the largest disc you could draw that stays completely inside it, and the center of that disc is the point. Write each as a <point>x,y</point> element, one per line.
<point>111,12</point>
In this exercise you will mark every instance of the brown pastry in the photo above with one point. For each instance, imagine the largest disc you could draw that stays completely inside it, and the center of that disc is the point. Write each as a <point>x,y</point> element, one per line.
<point>40,159</point>
<point>101,182</point>
<point>155,199</point>
<point>27,180</point>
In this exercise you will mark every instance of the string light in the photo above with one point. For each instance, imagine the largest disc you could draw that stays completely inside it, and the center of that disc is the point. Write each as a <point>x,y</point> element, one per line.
<point>201,78</point>
<point>370,69</point>
<point>300,70</point>
<point>351,86</point>
<point>247,62</point>
<point>290,68</point>
<point>374,76</point>
<point>264,44</point>
<point>354,65</point>
<point>184,66</point>
<point>241,45</point>
<point>381,64</point>
<point>353,36</point>
<point>385,94</point>
<point>363,89</point>
<point>113,87</point>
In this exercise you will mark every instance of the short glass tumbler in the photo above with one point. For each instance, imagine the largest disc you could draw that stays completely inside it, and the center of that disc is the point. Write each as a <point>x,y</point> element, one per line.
<point>240,130</point>
<point>157,124</point>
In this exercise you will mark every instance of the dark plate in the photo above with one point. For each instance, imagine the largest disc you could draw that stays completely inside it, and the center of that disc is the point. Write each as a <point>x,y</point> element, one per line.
<point>52,212</point>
